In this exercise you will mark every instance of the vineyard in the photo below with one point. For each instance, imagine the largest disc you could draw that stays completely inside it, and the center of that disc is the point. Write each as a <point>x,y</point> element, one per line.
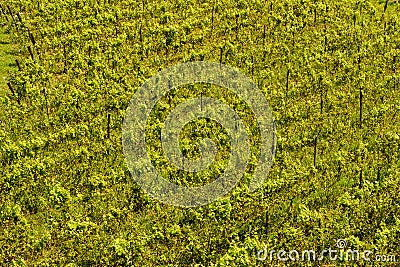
<point>330,70</point>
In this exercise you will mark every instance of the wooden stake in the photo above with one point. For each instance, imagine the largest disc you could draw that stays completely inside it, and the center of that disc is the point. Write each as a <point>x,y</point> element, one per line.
<point>65,59</point>
<point>315,15</point>
<point>220,56</point>
<point>14,93</point>
<point>201,101</point>
<point>264,35</point>
<point>287,80</point>
<point>32,38</point>
<point>18,65</point>
<point>361,106</point>
<point>11,14</point>
<point>273,138</point>
<point>315,151</point>
<point>321,102</point>
<point>31,52</point>
<point>252,66</point>
<point>19,18</point>
<point>212,19</point>
<point>394,71</point>
<point>140,34</point>
<point>11,89</point>
<point>237,26</point>
<point>384,9</point>
<point>45,99</point>
<point>108,125</point>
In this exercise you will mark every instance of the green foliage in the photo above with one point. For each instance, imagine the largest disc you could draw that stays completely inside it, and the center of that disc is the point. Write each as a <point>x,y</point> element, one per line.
<point>66,196</point>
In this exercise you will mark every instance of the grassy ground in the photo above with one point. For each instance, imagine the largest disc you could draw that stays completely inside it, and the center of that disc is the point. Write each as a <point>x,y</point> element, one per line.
<point>7,62</point>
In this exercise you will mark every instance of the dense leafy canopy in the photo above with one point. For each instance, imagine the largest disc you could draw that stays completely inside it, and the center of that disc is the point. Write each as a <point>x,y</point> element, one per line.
<point>329,69</point>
